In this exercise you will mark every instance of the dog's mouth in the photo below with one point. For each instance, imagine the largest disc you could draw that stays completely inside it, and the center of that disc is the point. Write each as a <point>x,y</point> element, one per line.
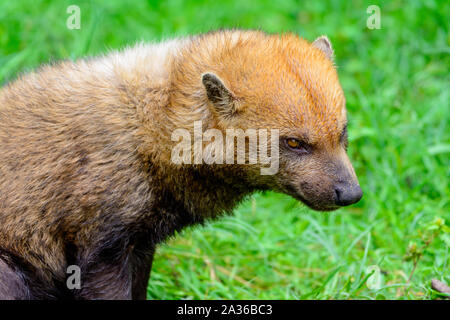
<point>290,190</point>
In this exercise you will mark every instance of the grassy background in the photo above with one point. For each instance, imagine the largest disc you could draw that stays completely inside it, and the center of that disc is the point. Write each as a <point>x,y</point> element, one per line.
<point>396,81</point>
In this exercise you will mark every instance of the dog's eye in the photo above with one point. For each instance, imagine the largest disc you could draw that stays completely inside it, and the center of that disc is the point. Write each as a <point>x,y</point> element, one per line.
<point>295,144</point>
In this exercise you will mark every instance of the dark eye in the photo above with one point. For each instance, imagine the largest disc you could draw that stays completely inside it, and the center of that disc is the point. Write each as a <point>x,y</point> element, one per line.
<point>295,144</point>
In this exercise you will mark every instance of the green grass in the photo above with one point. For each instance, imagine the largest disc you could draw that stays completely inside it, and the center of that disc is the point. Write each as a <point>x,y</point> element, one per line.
<point>396,81</point>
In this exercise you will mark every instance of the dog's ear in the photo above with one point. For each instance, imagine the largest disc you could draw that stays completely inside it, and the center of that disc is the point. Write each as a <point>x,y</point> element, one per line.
<point>219,95</point>
<point>323,44</point>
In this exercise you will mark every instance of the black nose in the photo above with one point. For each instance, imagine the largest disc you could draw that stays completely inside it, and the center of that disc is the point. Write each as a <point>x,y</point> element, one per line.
<point>347,194</point>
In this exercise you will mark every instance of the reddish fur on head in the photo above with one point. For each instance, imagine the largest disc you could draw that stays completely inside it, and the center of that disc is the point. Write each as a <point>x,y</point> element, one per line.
<point>281,82</point>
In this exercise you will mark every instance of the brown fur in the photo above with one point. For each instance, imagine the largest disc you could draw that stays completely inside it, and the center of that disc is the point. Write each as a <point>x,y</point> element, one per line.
<point>85,170</point>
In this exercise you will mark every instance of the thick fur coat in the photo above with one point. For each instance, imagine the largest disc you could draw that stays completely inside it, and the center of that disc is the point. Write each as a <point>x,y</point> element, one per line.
<point>86,177</point>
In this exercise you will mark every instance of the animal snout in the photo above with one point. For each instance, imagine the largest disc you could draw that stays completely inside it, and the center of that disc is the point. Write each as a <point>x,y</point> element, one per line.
<point>347,194</point>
